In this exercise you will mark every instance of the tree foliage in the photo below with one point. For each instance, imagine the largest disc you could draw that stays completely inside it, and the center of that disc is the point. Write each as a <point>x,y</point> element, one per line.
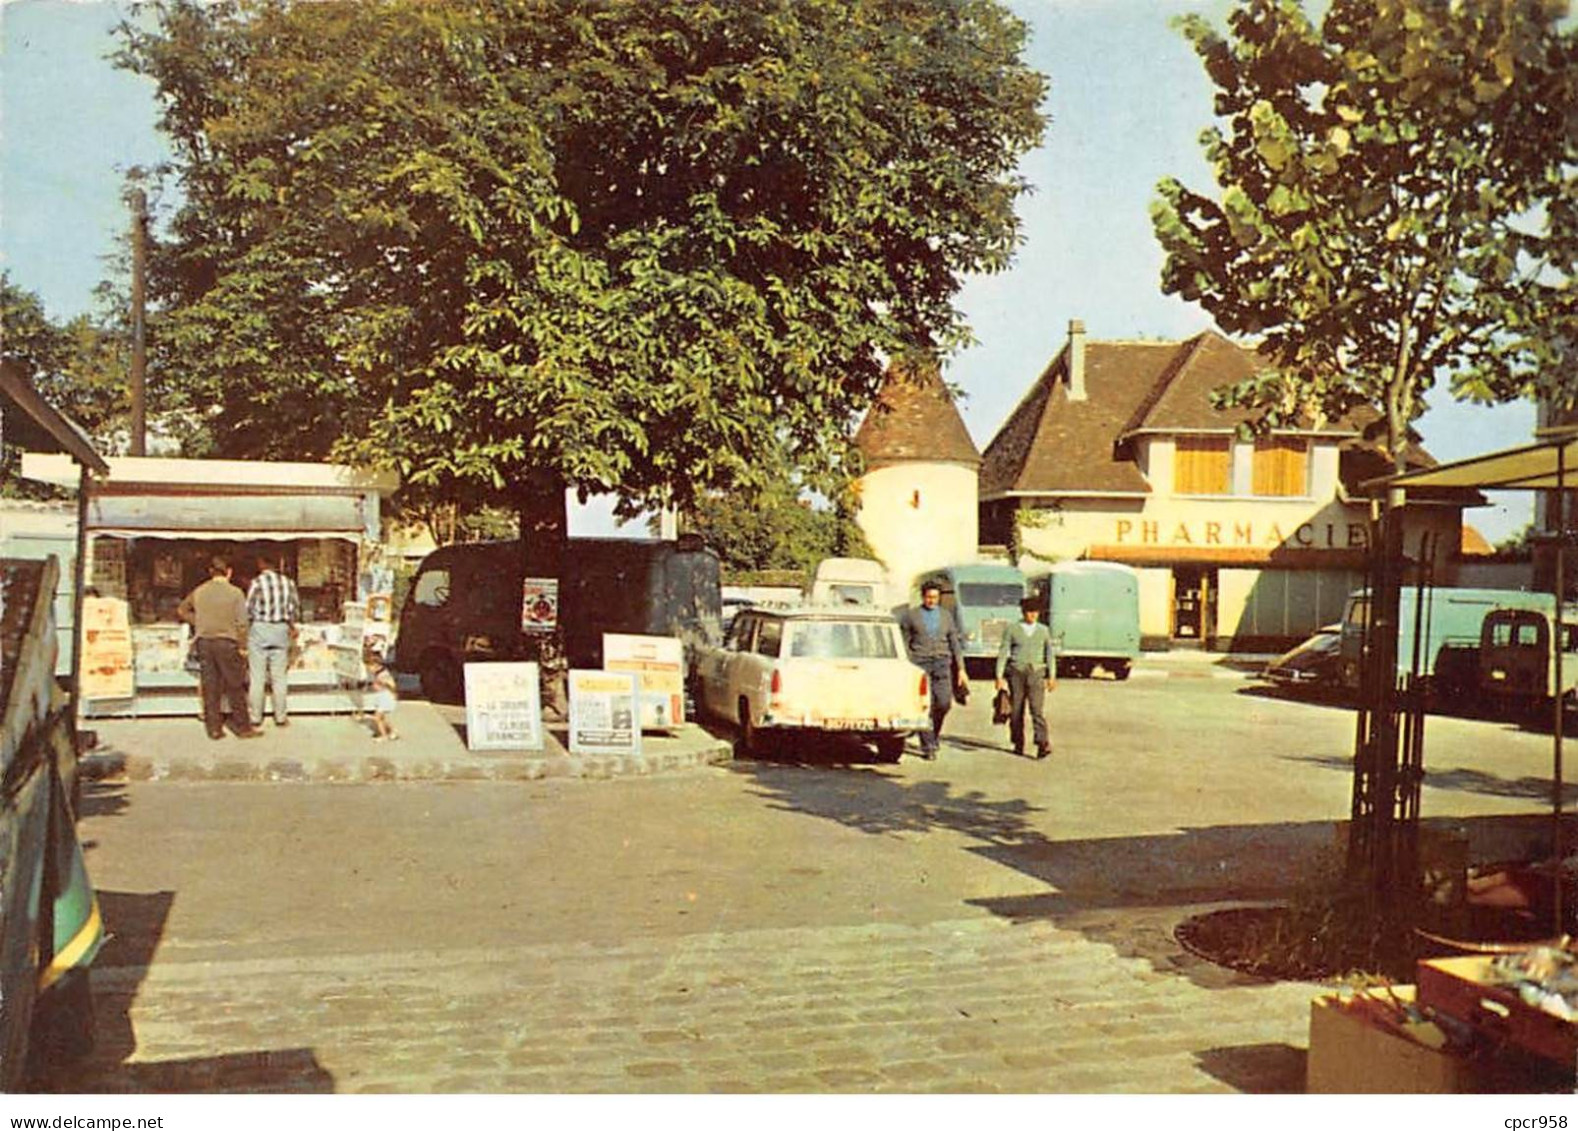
<point>654,247</point>
<point>776,529</point>
<point>78,367</point>
<point>1395,203</point>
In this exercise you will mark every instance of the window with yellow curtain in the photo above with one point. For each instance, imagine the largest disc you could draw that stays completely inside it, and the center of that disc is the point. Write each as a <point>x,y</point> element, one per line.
<point>1203,465</point>
<point>1281,466</point>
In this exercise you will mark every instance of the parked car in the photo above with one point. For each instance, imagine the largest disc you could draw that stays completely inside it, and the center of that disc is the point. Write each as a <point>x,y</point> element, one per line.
<point>814,669</point>
<point>732,607</point>
<point>1315,663</point>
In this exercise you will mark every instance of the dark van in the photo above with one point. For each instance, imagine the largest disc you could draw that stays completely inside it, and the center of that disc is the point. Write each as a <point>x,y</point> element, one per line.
<point>465,603</point>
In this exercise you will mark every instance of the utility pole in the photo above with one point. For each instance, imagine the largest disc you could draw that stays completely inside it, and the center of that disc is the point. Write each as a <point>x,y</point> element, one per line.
<point>139,302</point>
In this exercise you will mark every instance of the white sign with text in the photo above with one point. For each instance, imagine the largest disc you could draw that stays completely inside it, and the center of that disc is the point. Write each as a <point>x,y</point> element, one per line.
<point>503,706</point>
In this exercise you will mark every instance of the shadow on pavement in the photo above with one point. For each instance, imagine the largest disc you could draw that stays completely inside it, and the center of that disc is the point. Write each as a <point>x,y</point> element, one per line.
<point>134,924</point>
<point>268,1071</point>
<point>1261,1069</point>
<point>1126,892</point>
<point>1460,780</point>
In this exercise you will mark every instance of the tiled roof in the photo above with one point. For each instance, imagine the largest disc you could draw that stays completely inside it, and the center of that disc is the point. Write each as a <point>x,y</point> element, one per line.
<point>1053,444</point>
<point>1475,544</point>
<point>914,418</point>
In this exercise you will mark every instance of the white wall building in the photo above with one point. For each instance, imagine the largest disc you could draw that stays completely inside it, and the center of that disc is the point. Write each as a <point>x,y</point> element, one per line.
<point>918,497</point>
<point>1117,454</point>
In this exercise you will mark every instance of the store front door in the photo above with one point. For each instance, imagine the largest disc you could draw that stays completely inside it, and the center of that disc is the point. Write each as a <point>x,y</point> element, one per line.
<point>1194,604</point>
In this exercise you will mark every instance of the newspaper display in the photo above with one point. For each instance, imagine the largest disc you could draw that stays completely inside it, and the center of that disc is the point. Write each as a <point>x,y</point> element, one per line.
<point>106,650</point>
<point>659,661</point>
<point>603,712</point>
<point>109,567</point>
<point>312,564</point>
<point>539,604</point>
<point>503,706</point>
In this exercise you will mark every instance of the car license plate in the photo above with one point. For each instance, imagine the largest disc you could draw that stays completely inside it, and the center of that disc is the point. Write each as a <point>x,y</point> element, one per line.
<point>848,724</point>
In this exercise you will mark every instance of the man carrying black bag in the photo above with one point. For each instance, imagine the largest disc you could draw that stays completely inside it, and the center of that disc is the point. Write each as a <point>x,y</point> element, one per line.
<point>1027,667</point>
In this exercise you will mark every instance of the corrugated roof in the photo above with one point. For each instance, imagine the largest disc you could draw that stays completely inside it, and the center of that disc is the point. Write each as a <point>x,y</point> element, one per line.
<point>39,424</point>
<point>914,418</point>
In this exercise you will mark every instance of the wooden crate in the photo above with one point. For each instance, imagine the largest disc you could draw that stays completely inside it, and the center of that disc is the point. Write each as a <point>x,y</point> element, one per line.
<point>1465,989</point>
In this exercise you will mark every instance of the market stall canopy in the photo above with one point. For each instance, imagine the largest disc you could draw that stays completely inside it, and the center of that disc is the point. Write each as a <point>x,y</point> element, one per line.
<point>147,475</point>
<point>31,422</point>
<point>1550,462</point>
<point>218,499</point>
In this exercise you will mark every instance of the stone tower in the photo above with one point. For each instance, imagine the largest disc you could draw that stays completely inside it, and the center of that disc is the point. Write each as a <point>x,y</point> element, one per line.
<point>918,498</point>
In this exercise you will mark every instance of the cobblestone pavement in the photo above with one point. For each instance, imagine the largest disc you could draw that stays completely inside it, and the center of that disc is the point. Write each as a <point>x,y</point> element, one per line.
<point>979,923</point>
<point>958,1006</point>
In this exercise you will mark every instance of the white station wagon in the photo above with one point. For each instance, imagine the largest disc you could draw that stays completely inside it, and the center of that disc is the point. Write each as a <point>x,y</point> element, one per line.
<point>815,668</point>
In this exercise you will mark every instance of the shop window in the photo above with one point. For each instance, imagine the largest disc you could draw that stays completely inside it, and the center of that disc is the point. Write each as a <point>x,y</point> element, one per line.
<point>1203,465</point>
<point>1281,467</point>
<point>432,588</point>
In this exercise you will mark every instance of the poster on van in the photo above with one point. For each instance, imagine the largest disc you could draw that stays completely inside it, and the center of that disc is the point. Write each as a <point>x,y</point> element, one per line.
<point>603,712</point>
<point>539,604</point>
<point>659,661</point>
<point>503,706</point>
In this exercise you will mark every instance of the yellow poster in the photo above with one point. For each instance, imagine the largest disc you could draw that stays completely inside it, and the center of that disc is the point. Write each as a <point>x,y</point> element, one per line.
<point>106,649</point>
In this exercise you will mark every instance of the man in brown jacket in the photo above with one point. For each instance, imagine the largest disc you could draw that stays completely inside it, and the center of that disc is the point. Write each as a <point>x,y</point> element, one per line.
<point>218,612</point>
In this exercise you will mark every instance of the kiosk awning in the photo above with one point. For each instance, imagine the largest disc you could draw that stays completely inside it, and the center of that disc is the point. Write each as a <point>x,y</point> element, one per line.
<point>1536,466</point>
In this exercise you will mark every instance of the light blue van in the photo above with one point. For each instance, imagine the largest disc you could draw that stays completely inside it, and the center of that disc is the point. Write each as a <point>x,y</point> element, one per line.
<point>1093,612</point>
<point>985,596</point>
<point>1448,647</point>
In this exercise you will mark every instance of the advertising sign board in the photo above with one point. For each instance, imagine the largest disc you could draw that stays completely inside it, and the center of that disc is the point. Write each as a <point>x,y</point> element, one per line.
<point>603,712</point>
<point>659,661</point>
<point>503,706</point>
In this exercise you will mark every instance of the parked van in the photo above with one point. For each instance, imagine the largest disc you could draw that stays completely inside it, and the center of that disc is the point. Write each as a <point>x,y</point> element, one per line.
<point>1517,665</point>
<point>465,603</point>
<point>849,581</point>
<point>1092,610</point>
<point>1449,648</point>
<point>985,596</point>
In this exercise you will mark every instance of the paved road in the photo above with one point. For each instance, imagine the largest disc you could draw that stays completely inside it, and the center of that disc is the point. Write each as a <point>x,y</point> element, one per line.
<point>981,923</point>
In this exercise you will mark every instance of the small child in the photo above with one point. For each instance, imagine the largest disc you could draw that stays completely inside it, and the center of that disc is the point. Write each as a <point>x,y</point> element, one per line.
<point>384,696</point>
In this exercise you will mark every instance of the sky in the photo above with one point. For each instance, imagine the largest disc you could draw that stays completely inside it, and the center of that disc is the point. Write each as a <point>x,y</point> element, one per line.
<point>1127,103</point>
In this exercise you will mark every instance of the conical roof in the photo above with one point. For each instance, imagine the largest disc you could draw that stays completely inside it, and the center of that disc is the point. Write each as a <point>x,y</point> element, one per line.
<point>914,419</point>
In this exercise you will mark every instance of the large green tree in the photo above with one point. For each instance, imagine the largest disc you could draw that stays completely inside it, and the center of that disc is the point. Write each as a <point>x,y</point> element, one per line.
<point>654,247</point>
<point>1394,203</point>
<point>777,529</point>
<point>78,366</point>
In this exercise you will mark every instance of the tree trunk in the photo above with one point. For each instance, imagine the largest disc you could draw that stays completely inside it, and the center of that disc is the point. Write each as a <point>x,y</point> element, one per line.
<point>544,519</point>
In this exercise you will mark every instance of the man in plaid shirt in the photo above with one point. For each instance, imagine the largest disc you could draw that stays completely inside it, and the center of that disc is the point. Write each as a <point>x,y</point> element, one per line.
<point>273,607</point>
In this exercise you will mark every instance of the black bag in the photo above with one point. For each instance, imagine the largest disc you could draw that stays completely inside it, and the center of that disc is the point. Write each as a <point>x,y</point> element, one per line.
<point>1002,707</point>
<point>961,693</point>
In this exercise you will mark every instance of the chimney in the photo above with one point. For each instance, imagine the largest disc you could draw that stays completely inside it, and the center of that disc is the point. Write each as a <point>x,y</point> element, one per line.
<point>1076,360</point>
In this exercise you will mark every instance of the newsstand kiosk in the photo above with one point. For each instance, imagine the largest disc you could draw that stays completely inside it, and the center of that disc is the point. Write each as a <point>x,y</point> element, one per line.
<point>152,526</point>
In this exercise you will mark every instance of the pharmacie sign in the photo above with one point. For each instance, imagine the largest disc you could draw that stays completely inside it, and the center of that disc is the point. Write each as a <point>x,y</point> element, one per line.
<point>1249,533</point>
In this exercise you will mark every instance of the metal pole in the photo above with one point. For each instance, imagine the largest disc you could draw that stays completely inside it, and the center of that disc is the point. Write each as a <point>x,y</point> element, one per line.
<point>79,581</point>
<point>1556,647</point>
<point>139,302</point>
